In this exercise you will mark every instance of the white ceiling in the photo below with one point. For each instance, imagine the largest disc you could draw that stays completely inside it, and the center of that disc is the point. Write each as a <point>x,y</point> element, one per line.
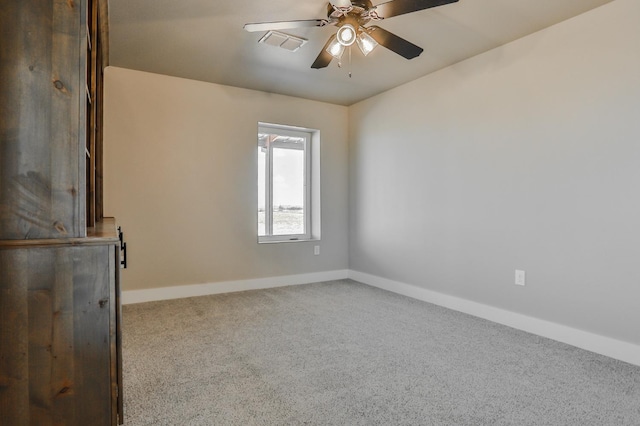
<point>204,40</point>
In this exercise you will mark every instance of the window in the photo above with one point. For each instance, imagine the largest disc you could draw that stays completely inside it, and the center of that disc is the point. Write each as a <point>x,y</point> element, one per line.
<point>284,183</point>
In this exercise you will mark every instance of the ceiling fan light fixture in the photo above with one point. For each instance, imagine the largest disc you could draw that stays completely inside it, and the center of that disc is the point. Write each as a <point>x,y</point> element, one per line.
<point>346,35</point>
<point>366,43</point>
<point>336,49</point>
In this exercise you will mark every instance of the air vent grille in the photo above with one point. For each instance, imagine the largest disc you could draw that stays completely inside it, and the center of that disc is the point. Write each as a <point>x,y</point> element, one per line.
<point>285,41</point>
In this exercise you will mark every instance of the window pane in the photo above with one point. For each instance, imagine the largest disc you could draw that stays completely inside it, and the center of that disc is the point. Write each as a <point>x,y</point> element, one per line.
<point>262,189</point>
<point>288,191</point>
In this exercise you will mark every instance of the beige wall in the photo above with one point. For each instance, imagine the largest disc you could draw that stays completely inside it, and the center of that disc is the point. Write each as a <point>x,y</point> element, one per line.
<point>525,157</point>
<point>180,178</point>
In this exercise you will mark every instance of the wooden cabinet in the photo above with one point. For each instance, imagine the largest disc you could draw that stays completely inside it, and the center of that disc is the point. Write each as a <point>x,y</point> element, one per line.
<point>59,300</point>
<point>59,259</point>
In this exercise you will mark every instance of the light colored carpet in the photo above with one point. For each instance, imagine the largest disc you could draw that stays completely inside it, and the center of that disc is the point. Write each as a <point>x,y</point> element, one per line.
<point>343,353</point>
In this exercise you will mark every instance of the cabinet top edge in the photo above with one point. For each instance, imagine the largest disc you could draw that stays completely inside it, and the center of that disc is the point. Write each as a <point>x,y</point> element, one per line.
<point>104,233</point>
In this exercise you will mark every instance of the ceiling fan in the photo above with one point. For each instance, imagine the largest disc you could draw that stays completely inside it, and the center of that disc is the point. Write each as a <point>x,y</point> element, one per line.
<point>351,17</point>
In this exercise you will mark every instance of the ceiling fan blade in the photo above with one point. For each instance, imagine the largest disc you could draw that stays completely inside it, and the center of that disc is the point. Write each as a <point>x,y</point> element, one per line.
<point>324,58</point>
<point>400,7</point>
<point>284,25</point>
<point>394,43</point>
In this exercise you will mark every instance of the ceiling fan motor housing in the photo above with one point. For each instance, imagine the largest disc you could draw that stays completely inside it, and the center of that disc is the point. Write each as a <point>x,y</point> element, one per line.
<point>358,12</point>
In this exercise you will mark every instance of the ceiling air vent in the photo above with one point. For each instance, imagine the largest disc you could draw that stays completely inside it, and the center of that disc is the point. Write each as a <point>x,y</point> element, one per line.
<point>285,41</point>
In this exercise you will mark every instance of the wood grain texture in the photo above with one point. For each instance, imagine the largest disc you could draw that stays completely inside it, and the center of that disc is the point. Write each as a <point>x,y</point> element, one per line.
<point>58,353</point>
<point>14,348</point>
<point>41,109</point>
<point>92,335</point>
<point>62,346</point>
<point>40,287</point>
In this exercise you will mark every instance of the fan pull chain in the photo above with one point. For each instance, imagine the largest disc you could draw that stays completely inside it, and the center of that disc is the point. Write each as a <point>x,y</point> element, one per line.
<point>349,61</point>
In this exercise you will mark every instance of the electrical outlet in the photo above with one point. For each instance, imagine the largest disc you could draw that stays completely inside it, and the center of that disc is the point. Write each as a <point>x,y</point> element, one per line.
<point>316,250</point>
<point>519,277</point>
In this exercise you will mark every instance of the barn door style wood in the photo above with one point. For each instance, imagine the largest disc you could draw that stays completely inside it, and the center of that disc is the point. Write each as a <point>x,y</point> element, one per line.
<point>55,336</point>
<point>42,104</point>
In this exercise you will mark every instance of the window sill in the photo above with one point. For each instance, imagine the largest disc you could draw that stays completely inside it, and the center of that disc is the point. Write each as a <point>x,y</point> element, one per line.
<point>300,240</point>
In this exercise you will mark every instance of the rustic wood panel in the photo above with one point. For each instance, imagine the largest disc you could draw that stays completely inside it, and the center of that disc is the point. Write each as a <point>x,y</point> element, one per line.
<point>92,334</point>
<point>14,347</point>
<point>62,346</point>
<point>41,104</point>
<point>40,289</point>
<point>23,67</point>
<point>57,340</point>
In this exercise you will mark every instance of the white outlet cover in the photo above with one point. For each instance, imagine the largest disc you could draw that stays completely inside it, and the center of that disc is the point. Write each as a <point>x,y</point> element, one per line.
<point>520,277</point>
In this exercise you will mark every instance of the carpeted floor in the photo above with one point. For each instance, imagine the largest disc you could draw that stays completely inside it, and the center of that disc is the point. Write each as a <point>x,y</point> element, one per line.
<point>343,353</point>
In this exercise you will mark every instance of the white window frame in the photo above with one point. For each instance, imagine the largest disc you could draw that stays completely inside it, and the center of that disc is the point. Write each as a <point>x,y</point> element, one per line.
<point>286,131</point>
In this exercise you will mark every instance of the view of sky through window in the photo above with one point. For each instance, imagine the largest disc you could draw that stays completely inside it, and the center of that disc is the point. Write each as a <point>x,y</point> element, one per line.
<point>287,184</point>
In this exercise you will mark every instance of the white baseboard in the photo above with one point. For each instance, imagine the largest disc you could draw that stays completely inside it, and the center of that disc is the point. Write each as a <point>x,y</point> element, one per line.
<point>613,348</point>
<point>178,292</point>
